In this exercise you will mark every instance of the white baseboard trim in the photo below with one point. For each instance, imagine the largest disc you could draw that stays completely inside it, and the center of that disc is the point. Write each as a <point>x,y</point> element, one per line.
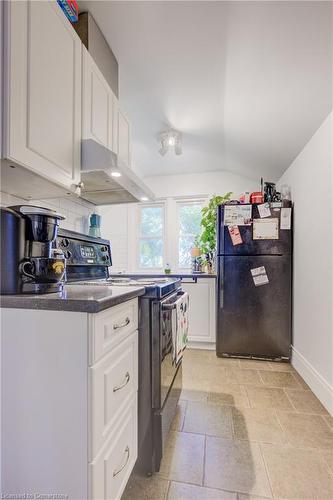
<point>211,346</point>
<point>315,381</point>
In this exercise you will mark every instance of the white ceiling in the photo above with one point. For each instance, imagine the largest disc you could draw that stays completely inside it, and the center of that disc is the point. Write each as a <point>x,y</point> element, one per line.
<point>247,83</point>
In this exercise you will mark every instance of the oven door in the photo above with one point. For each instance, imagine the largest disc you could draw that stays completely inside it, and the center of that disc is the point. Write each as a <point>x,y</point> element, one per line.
<point>167,347</point>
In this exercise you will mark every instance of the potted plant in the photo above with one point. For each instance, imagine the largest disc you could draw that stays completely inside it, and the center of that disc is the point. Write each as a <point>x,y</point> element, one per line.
<point>207,239</point>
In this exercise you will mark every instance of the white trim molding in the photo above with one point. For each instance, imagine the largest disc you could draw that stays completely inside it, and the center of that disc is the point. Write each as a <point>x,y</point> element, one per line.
<point>321,388</point>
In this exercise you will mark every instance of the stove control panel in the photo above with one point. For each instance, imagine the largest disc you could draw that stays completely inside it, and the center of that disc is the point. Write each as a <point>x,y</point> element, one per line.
<point>78,252</point>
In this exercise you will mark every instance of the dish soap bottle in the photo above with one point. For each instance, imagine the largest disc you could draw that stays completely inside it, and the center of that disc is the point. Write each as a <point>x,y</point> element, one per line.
<point>167,269</point>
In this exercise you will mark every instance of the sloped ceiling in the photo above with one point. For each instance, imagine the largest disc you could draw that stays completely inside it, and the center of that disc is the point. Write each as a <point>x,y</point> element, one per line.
<point>247,83</point>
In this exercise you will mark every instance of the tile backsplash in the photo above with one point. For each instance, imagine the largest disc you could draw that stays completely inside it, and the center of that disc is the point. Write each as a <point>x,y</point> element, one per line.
<point>77,212</point>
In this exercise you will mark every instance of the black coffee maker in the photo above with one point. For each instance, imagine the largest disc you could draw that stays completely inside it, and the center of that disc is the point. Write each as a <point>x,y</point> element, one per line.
<point>29,264</point>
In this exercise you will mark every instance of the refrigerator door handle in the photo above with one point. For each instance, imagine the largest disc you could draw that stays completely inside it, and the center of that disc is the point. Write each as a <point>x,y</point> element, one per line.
<point>220,284</point>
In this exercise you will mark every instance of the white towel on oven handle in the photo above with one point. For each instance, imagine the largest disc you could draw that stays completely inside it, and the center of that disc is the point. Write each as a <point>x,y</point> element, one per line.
<point>180,326</point>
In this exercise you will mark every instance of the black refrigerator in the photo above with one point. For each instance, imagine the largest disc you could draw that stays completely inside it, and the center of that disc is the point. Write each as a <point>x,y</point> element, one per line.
<point>254,278</point>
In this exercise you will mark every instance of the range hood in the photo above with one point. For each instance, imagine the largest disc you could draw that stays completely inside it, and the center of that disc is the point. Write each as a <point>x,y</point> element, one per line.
<point>98,166</point>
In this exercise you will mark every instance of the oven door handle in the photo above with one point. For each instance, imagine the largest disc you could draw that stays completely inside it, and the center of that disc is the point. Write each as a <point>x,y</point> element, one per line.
<point>173,305</point>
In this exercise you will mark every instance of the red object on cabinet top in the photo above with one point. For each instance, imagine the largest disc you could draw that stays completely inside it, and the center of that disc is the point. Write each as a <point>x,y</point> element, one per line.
<point>257,197</point>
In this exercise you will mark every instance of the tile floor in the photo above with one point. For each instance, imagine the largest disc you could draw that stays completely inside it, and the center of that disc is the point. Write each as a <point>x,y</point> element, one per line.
<point>244,430</point>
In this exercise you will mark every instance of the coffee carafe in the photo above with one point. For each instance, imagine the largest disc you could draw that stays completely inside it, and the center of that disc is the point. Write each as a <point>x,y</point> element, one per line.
<point>29,263</point>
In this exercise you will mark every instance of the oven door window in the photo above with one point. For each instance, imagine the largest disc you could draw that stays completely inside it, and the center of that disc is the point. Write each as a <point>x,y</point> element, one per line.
<point>168,367</point>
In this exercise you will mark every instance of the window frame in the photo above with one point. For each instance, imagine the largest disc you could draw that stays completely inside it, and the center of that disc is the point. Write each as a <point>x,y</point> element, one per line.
<point>180,202</point>
<point>140,237</point>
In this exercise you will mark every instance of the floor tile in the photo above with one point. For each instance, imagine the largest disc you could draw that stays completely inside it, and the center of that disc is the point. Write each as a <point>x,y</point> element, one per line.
<point>242,496</point>
<point>265,397</point>
<point>279,379</point>
<point>195,384</point>
<point>239,376</point>
<point>257,425</point>
<point>193,395</point>
<point>210,419</point>
<point>302,382</point>
<point>183,458</point>
<point>328,457</point>
<point>145,488</point>
<point>228,362</point>
<point>178,421</point>
<point>228,394</point>
<point>305,402</point>
<point>297,474</point>
<point>308,431</point>
<point>329,420</point>
<point>254,364</point>
<point>277,366</point>
<point>235,466</point>
<point>182,491</point>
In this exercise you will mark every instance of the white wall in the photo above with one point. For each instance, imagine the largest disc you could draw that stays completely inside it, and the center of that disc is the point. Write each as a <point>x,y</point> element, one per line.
<point>119,222</point>
<point>311,180</point>
<point>76,212</point>
<point>202,184</point>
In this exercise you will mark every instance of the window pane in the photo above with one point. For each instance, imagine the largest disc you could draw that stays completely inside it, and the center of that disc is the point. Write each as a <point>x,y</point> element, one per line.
<point>151,221</point>
<point>190,218</point>
<point>185,245</point>
<point>151,252</point>
<point>189,229</point>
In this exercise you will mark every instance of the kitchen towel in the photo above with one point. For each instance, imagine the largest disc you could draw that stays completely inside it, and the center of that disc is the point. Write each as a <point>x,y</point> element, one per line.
<point>180,326</point>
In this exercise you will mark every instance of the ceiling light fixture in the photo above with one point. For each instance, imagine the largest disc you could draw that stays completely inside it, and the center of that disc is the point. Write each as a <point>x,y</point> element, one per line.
<point>170,139</point>
<point>115,173</point>
<point>144,198</point>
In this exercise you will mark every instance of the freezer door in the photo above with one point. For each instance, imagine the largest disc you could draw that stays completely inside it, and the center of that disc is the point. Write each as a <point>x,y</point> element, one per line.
<point>282,246</point>
<point>254,320</point>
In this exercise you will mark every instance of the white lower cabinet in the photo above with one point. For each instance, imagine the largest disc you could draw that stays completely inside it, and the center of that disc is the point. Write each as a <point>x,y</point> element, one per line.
<point>109,472</point>
<point>202,311</point>
<point>70,427</point>
<point>113,383</point>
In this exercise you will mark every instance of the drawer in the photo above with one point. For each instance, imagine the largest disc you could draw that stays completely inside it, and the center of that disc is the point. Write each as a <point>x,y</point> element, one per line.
<point>113,383</point>
<point>109,472</point>
<point>109,327</point>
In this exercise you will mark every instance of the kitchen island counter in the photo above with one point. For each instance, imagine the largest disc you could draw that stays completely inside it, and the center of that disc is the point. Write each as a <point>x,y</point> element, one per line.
<point>77,298</point>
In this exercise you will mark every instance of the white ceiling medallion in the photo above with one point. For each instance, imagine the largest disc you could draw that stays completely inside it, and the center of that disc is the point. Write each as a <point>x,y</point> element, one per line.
<point>170,139</point>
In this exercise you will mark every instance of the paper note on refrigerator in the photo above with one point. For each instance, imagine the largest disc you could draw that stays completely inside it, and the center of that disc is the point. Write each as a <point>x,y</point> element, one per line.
<point>235,235</point>
<point>259,276</point>
<point>237,215</point>
<point>285,221</point>
<point>266,229</point>
<point>264,210</point>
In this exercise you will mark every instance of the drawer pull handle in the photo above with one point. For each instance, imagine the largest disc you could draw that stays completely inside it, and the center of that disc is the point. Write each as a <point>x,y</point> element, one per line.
<point>121,325</point>
<point>127,379</point>
<point>127,452</point>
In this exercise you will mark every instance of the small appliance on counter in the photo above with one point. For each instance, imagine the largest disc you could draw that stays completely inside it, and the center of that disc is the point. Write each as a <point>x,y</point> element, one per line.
<point>29,264</point>
<point>95,226</point>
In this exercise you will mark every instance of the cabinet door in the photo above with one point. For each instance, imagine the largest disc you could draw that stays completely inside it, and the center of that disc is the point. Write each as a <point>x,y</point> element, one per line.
<point>43,91</point>
<point>201,310</point>
<point>97,103</point>
<point>110,471</point>
<point>121,135</point>
<point>113,382</point>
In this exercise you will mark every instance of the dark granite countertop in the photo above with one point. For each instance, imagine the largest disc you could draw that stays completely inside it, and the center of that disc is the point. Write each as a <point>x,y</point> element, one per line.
<point>78,298</point>
<point>163,275</point>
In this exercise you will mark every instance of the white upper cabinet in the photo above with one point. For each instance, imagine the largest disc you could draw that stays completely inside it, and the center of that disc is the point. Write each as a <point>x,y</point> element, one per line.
<point>123,138</point>
<point>42,91</point>
<point>102,118</point>
<point>97,103</point>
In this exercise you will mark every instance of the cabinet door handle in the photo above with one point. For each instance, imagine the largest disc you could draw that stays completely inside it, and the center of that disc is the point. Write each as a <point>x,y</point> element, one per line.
<point>118,471</point>
<point>121,325</point>
<point>127,379</point>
